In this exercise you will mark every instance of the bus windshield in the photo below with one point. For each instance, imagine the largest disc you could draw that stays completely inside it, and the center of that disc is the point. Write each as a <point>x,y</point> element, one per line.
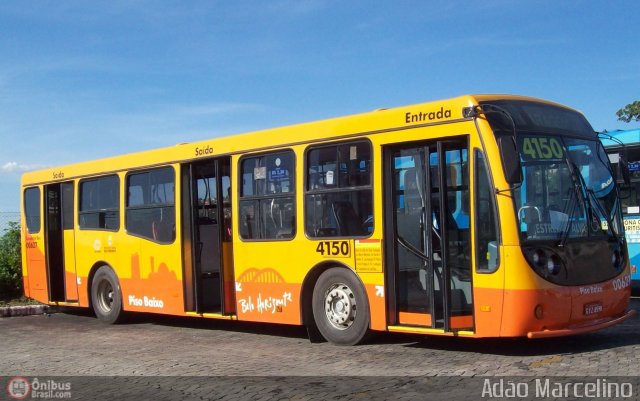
<point>568,189</point>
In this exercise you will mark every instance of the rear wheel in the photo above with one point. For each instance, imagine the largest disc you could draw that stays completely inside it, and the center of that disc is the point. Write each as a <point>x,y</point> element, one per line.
<point>340,307</point>
<point>106,297</point>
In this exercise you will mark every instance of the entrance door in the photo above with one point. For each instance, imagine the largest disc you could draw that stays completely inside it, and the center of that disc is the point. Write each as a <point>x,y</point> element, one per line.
<point>428,241</point>
<point>61,264</point>
<point>208,262</point>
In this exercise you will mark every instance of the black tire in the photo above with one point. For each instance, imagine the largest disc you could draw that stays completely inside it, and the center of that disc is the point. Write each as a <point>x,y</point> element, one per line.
<point>340,307</point>
<point>106,297</point>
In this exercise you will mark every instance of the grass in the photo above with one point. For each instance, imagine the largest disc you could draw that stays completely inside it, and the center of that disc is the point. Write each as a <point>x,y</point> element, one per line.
<point>18,301</point>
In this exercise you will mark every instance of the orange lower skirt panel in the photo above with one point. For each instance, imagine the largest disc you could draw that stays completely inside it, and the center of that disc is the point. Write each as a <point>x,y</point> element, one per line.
<point>412,318</point>
<point>461,322</point>
<point>424,319</point>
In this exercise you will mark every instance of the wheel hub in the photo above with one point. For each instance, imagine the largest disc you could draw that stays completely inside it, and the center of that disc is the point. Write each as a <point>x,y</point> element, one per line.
<point>105,296</point>
<point>340,306</point>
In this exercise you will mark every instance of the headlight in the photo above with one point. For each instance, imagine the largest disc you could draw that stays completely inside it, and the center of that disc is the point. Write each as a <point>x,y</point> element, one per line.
<point>539,258</point>
<point>544,261</point>
<point>554,265</point>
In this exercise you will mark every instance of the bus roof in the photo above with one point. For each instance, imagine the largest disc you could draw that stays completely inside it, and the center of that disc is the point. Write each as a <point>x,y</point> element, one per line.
<point>627,137</point>
<point>380,120</point>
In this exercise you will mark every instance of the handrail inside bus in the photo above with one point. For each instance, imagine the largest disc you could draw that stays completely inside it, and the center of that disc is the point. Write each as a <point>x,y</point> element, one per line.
<point>412,249</point>
<point>536,208</point>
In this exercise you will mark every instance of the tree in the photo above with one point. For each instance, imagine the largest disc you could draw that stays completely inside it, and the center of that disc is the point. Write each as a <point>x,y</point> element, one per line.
<point>629,112</point>
<point>10,262</point>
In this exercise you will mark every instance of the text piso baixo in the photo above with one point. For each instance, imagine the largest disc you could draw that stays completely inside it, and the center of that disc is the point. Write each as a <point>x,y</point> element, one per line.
<point>146,301</point>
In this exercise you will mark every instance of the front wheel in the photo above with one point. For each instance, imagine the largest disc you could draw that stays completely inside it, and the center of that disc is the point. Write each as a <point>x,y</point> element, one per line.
<point>106,297</point>
<point>340,307</point>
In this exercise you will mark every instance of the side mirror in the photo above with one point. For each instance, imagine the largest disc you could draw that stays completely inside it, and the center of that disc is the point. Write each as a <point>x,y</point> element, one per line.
<point>510,159</point>
<point>621,168</point>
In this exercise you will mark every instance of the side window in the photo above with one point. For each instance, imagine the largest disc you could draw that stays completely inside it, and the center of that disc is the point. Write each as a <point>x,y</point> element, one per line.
<point>150,211</point>
<point>338,199</point>
<point>486,220</point>
<point>32,209</point>
<point>100,204</point>
<point>267,197</point>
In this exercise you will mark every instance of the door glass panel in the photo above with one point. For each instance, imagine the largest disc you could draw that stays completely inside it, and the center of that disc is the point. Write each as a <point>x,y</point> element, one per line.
<point>410,205</point>
<point>67,206</point>
<point>458,233</point>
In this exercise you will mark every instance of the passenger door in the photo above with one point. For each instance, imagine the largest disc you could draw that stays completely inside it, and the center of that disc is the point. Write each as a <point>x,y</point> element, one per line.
<point>60,238</point>
<point>427,235</point>
<point>208,262</point>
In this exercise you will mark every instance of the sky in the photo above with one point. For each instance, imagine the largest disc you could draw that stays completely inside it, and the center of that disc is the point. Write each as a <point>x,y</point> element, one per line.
<point>82,80</point>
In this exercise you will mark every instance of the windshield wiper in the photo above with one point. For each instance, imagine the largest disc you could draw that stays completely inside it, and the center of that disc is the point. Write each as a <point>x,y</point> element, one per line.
<point>578,185</point>
<point>604,213</point>
<point>593,202</point>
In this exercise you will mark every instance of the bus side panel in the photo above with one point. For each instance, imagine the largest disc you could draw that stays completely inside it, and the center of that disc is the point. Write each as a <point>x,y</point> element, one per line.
<point>489,298</point>
<point>23,258</point>
<point>93,248</point>
<point>88,251</point>
<point>25,273</point>
<point>268,280</point>
<point>262,297</point>
<point>70,278</point>
<point>374,285</point>
<point>229,282</point>
<point>488,311</point>
<point>149,274</point>
<point>154,283</point>
<point>35,268</point>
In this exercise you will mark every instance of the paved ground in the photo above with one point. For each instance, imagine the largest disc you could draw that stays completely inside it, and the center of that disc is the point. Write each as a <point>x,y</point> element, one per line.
<point>239,356</point>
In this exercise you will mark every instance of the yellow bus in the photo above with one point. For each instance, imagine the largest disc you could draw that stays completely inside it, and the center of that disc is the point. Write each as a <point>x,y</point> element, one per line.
<point>476,216</point>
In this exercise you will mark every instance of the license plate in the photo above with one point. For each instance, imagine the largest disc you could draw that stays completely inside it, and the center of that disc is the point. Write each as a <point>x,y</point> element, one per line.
<point>592,308</point>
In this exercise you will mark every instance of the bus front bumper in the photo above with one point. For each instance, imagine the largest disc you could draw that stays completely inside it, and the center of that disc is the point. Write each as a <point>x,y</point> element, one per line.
<point>598,325</point>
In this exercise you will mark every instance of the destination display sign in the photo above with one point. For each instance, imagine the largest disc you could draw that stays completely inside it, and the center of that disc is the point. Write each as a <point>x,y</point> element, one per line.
<point>541,148</point>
